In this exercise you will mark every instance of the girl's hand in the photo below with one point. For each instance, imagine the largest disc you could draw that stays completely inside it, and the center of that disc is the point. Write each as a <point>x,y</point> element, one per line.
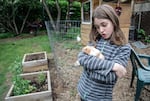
<point>120,70</point>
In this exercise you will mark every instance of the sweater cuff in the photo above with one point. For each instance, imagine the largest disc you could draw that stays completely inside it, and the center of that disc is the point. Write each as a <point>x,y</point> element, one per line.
<point>110,69</point>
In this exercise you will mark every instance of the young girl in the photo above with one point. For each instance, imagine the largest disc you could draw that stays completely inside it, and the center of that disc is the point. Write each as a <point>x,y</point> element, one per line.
<point>100,75</point>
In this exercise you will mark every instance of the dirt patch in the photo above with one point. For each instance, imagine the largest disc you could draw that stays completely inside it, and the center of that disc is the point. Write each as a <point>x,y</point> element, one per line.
<point>32,57</point>
<point>64,77</point>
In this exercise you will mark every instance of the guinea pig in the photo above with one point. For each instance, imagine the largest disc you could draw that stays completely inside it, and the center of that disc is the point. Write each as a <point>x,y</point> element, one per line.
<point>91,50</point>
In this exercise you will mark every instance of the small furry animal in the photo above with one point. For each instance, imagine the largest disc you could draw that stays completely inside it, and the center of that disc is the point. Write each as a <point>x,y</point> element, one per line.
<point>91,50</point>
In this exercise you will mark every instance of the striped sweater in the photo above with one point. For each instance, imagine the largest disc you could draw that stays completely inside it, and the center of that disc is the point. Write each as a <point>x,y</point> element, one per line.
<point>97,80</point>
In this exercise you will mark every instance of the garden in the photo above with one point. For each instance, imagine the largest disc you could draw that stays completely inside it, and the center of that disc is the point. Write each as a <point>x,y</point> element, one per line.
<point>52,52</point>
<point>13,49</point>
<point>64,74</point>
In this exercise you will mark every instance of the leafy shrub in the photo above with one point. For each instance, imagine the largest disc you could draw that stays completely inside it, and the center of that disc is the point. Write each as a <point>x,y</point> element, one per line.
<point>21,86</point>
<point>143,36</point>
<point>41,78</point>
<point>5,35</point>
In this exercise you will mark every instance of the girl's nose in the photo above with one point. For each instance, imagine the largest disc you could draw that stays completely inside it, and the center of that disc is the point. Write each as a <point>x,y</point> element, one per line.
<point>101,29</point>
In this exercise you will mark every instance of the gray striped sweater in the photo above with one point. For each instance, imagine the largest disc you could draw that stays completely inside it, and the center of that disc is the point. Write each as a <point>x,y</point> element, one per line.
<point>97,80</point>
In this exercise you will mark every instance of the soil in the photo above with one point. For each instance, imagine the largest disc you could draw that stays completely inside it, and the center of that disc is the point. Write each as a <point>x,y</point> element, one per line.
<point>34,57</point>
<point>40,83</point>
<point>65,76</point>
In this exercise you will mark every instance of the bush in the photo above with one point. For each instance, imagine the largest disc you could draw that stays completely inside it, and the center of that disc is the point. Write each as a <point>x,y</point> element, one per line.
<point>6,35</point>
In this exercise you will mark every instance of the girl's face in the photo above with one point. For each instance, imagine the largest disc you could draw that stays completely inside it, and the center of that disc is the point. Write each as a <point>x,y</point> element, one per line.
<point>104,27</point>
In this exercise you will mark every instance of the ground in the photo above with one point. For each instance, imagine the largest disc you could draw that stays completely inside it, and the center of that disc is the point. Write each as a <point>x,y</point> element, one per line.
<point>64,77</point>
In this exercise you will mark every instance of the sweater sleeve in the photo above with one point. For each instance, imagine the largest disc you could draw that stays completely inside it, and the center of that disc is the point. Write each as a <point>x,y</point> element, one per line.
<point>104,66</point>
<point>93,63</point>
<point>123,56</point>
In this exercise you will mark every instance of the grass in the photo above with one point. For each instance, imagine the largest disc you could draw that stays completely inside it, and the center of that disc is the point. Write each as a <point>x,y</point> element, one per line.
<point>10,50</point>
<point>72,45</point>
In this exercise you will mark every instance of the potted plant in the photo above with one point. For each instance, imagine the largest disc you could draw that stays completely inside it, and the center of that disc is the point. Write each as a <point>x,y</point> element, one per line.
<point>35,62</point>
<point>35,86</point>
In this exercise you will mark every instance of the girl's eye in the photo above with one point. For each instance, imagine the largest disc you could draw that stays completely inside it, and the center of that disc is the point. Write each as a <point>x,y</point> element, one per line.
<point>104,24</point>
<point>101,25</point>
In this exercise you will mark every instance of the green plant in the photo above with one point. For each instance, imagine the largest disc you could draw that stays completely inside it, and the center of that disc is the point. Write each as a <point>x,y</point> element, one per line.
<point>41,78</point>
<point>6,35</point>
<point>21,86</point>
<point>147,39</point>
<point>142,35</point>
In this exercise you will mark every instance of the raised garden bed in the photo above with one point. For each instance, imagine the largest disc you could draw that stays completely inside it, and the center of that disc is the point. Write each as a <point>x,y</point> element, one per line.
<point>35,62</point>
<point>43,93</point>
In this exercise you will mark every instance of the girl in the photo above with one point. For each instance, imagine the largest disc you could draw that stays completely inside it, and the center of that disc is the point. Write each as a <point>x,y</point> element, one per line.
<point>100,75</point>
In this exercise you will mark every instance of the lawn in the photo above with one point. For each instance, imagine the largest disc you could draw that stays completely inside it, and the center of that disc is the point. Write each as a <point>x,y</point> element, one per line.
<point>10,50</point>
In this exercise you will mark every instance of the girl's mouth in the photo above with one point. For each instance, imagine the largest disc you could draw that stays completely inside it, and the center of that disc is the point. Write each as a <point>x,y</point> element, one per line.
<point>104,35</point>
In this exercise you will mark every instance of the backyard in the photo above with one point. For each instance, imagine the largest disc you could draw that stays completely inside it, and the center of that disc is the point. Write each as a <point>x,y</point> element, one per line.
<point>64,75</point>
<point>25,21</point>
<point>12,48</point>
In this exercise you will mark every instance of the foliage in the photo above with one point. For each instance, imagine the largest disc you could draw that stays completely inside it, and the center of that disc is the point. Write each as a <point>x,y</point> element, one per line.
<point>141,32</point>
<point>41,78</point>
<point>64,5</point>
<point>147,39</point>
<point>143,36</point>
<point>14,14</point>
<point>86,7</point>
<point>21,86</point>
<point>75,30</point>
<point>77,11</point>
<point>6,35</point>
<point>72,33</point>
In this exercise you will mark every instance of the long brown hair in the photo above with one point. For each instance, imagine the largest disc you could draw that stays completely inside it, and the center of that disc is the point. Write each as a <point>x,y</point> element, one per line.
<point>107,12</point>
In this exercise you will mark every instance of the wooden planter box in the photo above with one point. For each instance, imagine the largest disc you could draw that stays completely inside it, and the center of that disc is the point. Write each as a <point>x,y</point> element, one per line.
<point>37,96</point>
<point>35,62</point>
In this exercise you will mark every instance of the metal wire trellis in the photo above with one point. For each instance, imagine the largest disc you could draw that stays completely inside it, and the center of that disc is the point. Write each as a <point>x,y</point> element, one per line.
<point>64,37</point>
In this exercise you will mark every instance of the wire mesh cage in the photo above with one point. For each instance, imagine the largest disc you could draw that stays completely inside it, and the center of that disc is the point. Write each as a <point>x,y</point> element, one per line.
<point>64,41</point>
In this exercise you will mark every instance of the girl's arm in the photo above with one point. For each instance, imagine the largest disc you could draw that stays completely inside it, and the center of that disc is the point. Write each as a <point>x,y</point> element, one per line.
<point>105,66</point>
<point>120,70</point>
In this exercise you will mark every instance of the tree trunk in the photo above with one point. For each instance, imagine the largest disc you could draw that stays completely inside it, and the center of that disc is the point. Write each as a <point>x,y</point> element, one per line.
<point>24,20</point>
<point>13,20</point>
<point>9,25</point>
<point>49,15</point>
<point>15,26</point>
<point>68,10</point>
<point>59,15</point>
